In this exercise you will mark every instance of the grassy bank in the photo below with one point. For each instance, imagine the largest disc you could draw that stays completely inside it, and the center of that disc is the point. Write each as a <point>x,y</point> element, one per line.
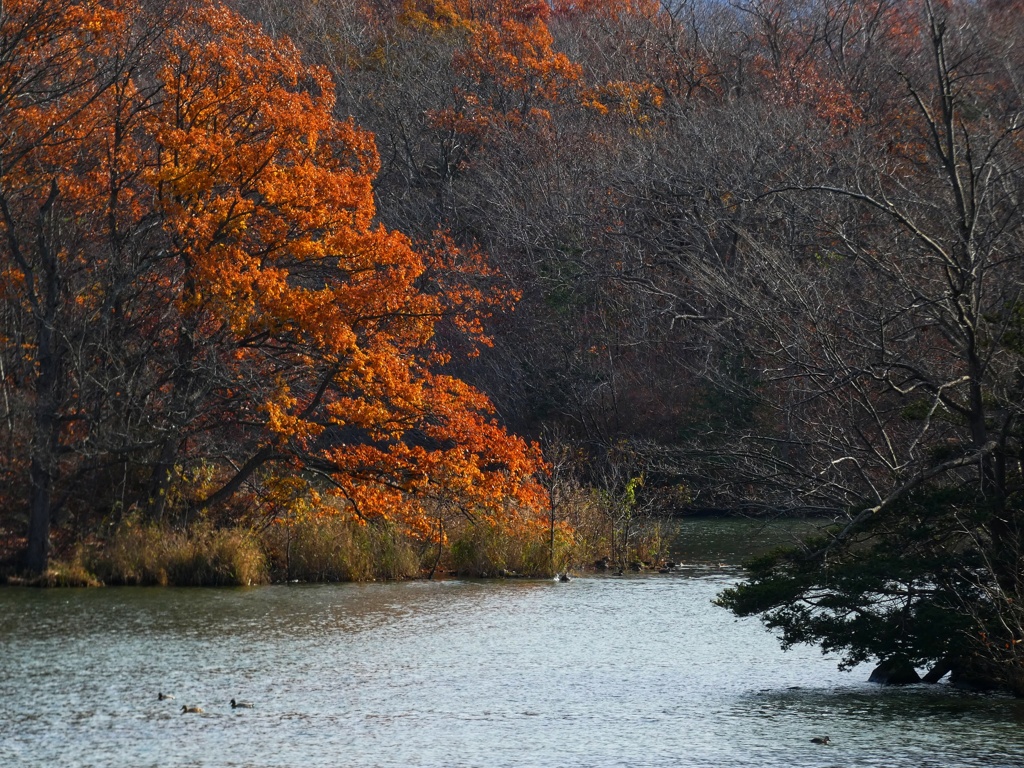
<point>329,549</point>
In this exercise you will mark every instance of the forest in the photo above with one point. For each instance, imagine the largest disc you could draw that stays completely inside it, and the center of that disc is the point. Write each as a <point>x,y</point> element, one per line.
<point>492,285</point>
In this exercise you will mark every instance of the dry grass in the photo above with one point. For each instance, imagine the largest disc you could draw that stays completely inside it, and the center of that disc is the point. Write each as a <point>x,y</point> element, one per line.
<point>488,549</point>
<point>330,548</point>
<point>59,574</point>
<point>601,532</point>
<point>334,549</point>
<point>201,556</point>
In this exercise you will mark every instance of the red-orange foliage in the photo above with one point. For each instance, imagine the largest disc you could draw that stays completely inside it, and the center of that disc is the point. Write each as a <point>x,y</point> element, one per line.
<point>513,74</point>
<point>801,82</point>
<point>217,223</point>
<point>606,9</point>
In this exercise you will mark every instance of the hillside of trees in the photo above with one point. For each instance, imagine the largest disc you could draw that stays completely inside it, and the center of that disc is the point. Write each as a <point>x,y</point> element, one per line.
<point>420,261</point>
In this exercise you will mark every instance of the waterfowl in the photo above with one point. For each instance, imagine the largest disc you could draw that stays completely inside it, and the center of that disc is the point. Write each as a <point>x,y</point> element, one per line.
<point>820,740</point>
<point>164,696</point>
<point>241,704</point>
<point>191,708</point>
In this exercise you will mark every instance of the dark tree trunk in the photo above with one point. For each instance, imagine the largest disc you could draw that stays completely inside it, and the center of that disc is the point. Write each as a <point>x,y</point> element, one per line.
<point>42,464</point>
<point>45,438</point>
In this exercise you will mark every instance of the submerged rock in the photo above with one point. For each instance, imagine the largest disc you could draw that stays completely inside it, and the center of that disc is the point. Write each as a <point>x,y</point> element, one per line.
<point>895,671</point>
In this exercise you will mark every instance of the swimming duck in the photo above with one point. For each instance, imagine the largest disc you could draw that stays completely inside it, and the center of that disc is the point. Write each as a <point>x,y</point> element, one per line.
<point>820,740</point>
<point>164,696</point>
<point>241,704</point>
<point>191,708</point>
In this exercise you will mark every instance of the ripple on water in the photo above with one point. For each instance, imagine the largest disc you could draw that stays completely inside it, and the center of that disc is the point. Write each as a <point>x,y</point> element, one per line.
<point>636,671</point>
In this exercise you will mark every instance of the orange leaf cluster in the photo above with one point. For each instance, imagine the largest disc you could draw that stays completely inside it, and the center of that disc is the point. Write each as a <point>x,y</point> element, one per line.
<point>216,204</point>
<point>513,73</point>
<point>636,102</point>
<point>612,10</point>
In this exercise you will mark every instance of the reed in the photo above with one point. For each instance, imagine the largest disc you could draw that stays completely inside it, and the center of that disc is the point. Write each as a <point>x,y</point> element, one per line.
<point>331,548</point>
<point>328,548</point>
<point>485,549</point>
<point>59,574</point>
<point>602,532</point>
<point>158,555</point>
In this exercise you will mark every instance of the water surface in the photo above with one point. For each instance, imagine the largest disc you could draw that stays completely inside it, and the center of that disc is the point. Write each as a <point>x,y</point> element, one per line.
<point>602,671</point>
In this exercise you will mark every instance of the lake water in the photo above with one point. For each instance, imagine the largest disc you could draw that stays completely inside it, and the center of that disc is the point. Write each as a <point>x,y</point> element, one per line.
<point>602,671</point>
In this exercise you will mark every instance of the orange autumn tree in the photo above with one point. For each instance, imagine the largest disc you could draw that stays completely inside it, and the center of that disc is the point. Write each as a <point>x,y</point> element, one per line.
<point>218,226</point>
<point>511,73</point>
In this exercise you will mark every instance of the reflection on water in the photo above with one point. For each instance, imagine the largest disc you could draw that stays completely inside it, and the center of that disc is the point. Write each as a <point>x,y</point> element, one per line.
<point>728,542</point>
<point>603,671</point>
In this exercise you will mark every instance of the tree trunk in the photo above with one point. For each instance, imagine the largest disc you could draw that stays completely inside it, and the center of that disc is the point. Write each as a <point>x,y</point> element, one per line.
<point>45,438</point>
<point>44,446</point>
